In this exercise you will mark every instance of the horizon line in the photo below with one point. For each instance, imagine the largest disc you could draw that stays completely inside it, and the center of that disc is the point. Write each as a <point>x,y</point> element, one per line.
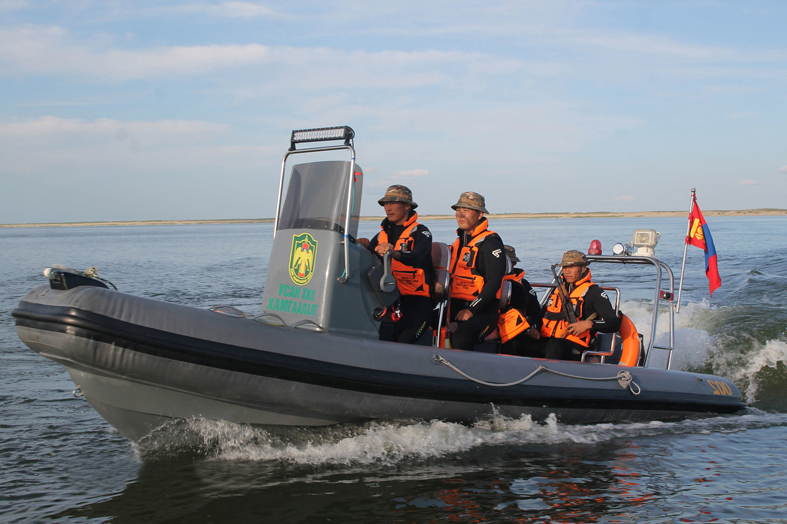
<point>504,216</point>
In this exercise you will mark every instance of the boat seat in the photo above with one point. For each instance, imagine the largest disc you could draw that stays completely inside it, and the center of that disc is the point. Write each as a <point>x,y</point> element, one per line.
<point>441,257</point>
<point>505,288</point>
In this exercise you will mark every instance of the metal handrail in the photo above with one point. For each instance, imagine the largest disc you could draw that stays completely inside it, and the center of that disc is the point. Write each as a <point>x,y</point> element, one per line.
<point>604,354</point>
<point>605,288</point>
<point>306,322</point>
<point>659,265</point>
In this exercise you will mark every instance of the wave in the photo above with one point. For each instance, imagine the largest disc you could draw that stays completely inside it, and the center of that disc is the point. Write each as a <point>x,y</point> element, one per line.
<point>746,345</point>
<point>392,443</point>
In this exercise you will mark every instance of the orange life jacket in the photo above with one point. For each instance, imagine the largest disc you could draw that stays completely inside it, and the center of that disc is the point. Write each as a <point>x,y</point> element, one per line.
<point>555,320</point>
<point>512,322</point>
<point>466,282</point>
<point>516,274</point>
<point>410,280</point>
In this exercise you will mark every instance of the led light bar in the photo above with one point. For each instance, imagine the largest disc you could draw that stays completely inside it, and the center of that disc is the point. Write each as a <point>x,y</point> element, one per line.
<point>321,134</point>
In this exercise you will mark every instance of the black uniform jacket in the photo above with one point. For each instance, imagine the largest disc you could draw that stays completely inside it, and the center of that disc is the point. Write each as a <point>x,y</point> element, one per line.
<point>491,264</point>
<point>421,254</point>
<point>524,298</point>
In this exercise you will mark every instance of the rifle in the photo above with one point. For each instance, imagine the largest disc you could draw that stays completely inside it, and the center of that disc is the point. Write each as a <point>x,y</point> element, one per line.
<point>565,301</point>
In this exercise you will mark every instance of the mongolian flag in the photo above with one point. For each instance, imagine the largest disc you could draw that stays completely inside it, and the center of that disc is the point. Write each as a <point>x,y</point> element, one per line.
<point>699,236</point>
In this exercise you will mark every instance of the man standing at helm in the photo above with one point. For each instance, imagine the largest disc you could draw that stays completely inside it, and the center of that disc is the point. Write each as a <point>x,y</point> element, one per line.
<point>478,263</point>
<point>591,307</point>
<point>410,244</point>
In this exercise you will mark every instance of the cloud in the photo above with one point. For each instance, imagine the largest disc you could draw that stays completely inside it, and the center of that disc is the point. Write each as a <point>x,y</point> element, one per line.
<point>52,51</point>
<point>650,45</point>
<point>625,198</point>
<point>13,5</point>
<point>407,176</point>
<point>49,126</point>
<point>741,115</point>
<point>412,173</point>
<point>224,9</point>
<point>783,169</point>
<point>51,145</point>
<point>748,182</point>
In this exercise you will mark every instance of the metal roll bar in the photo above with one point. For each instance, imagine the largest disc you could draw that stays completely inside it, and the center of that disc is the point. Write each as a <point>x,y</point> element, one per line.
<point>659,296</point>
<point>350,186</point>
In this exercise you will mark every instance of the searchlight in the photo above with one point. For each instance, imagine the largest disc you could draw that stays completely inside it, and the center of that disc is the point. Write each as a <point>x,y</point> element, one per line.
<point>645,240</point>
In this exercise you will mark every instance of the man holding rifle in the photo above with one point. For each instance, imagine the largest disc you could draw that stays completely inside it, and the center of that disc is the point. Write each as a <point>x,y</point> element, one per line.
<point>576,310</point>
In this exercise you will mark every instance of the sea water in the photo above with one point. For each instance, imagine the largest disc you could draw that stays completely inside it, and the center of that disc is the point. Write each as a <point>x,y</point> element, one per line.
<point>60,462</point>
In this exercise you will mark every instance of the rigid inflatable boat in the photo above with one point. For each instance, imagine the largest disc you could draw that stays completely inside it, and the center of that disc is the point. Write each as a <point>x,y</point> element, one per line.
<point>312,356</point>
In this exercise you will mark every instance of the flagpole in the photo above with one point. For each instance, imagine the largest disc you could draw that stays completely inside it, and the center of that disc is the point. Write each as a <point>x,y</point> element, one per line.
<point>685,249</point>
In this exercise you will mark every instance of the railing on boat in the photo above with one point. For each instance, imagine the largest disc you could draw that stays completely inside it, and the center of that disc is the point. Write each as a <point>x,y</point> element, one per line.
<point>660,296</point>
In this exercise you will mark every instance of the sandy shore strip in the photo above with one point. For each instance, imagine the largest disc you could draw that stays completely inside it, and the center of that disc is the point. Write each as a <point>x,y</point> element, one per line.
<point>424,218</point>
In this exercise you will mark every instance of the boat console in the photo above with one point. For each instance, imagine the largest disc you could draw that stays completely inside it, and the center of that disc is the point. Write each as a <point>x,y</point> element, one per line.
<point>319,277</point>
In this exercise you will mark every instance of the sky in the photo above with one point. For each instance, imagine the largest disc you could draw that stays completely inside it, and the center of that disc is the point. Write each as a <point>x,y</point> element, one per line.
<point>167,110</point>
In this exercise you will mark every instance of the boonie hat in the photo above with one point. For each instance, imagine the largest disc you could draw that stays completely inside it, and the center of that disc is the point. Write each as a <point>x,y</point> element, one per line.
<point>470,200</point>
<point>574,258</point>
<point>511,252</point>
<point>397,193</point>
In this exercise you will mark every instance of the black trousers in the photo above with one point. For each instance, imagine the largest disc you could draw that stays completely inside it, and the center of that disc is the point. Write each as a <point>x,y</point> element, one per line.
<point>415,321</point>
<point>562,349</point>
<point>552,348</point>
<point>524,346</point>
<point>473,331</point>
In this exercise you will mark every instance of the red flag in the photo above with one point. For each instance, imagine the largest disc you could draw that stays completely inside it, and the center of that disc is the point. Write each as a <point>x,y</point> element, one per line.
<point>699,236</point>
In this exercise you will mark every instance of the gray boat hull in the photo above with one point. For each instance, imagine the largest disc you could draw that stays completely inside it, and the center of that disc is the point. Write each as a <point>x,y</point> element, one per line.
<point>142,362</point>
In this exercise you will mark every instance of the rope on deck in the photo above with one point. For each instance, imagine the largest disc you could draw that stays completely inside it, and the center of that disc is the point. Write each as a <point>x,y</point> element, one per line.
<point>624,378</point>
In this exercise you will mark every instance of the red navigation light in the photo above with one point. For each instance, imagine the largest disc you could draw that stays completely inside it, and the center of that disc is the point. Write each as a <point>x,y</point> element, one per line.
<point>595,248</point>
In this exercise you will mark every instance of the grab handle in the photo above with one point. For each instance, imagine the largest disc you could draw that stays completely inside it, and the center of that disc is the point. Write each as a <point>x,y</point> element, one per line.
<point>387,282</point>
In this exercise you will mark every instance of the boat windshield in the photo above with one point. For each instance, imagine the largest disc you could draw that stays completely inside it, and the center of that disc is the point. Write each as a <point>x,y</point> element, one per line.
<point>317,198</point>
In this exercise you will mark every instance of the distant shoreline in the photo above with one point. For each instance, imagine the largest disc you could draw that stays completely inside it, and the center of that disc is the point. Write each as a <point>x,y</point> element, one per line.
<point>598,214</point>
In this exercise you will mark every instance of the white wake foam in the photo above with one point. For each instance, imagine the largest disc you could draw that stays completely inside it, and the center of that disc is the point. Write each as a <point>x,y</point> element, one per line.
<point>391,443</point>
<point>740,359</point>
<point>767,355</point>
<point>693,345</point>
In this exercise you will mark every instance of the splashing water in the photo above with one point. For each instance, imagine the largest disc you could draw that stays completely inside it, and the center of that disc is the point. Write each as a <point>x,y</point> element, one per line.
<point>391,443</point>
<point>717,340</point>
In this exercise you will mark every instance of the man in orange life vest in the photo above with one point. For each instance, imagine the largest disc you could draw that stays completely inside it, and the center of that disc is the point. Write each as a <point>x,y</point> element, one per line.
<point>410,244</point>
<point>519,324</point>
<point>591,307</point>
<point>477,267</point>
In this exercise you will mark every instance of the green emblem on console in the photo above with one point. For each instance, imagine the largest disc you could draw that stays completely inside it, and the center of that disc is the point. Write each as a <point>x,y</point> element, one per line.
<point>302,257</point>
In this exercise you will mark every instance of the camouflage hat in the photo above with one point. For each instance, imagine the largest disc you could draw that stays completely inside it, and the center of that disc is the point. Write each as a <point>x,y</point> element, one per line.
<point>398,193</point>
<point>470,200</point>
<point>574,258</point>
<point>511,252</point>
